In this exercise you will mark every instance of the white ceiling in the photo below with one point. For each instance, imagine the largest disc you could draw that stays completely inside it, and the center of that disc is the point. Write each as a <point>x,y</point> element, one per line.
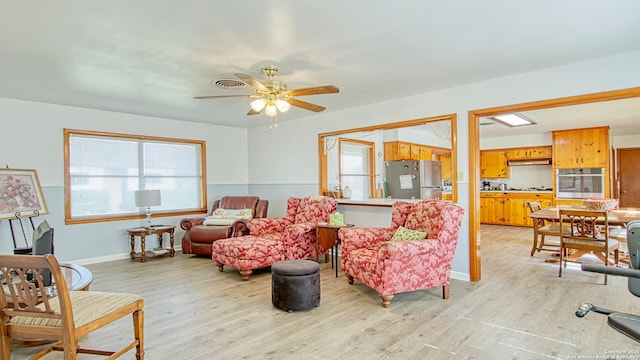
<point>151,57</point>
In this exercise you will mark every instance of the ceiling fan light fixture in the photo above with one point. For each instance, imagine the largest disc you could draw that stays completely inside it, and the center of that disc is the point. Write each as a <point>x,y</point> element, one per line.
<point>258,105</point>
<point>270,110</point>
<point>282,105</point>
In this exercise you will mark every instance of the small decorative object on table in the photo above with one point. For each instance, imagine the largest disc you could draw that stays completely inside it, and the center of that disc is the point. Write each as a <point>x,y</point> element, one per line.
<point>336,219</point>
<point>600,204</point>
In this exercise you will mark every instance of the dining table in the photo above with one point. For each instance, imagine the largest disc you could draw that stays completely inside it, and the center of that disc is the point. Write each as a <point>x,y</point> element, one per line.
<point>621,216</point>
<point>617,217</point>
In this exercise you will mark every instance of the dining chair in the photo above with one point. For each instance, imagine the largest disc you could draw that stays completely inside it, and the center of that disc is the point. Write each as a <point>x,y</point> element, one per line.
<point>542,229</point>
<point>587,231</point>
<point>30,310</point>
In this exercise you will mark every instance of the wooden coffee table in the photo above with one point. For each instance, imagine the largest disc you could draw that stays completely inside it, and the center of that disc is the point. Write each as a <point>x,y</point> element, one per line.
<point>77,277</point>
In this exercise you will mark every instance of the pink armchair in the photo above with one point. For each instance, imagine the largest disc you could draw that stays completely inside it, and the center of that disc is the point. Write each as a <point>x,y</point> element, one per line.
<point>391,267</point>
<point>275,239</point>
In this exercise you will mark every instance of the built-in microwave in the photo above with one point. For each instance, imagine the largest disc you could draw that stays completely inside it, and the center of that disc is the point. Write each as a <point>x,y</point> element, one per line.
<point>580,183</point>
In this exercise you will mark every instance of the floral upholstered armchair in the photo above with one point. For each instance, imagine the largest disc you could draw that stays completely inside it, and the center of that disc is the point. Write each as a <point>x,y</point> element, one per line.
<point>391,260</point>
<point>275,239</point>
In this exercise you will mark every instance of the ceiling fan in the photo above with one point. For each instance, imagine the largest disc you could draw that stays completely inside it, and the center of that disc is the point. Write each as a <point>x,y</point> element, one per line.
<point>272,95</point>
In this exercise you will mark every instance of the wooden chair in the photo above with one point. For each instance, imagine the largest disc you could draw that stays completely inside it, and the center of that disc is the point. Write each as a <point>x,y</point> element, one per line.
<point>31,311</point>
<point>541,229</point>
<point>587,231</point>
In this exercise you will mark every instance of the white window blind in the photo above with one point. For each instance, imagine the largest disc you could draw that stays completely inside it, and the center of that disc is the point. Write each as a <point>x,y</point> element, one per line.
<point>104,171</point>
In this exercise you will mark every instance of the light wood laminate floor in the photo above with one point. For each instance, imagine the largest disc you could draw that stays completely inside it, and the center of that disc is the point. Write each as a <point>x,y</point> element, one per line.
<point>520,310</point>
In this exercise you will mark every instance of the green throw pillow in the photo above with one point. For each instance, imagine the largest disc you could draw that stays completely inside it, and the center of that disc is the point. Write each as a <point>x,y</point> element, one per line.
<point>407,234</point>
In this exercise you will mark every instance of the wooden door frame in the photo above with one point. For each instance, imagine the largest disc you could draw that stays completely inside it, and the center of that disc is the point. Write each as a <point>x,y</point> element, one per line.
<point>474,156</point>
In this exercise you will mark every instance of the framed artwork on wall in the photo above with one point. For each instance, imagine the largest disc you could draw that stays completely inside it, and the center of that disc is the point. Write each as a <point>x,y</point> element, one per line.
<point>20,194</point>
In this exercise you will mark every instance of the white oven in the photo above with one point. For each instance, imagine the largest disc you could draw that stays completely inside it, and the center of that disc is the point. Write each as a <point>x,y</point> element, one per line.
<point>580,183</point>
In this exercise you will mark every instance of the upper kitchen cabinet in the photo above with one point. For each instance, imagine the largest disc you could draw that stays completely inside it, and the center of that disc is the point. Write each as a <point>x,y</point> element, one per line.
<point>401,150</point>
<point>446,166</point>
<point>581,148</point>
<point>529,153</point>
<point>493,164</point>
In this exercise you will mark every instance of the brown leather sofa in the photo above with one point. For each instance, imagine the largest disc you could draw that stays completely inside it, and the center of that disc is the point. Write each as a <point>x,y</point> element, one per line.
<point>198,237</point>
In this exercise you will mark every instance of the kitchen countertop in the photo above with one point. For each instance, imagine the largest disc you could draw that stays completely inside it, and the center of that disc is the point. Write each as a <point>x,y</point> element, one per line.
<point>519,191</point>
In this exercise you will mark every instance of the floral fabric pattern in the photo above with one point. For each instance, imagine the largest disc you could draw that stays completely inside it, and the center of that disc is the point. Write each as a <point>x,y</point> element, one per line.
<point>401,266</point>
<point>275,239</point>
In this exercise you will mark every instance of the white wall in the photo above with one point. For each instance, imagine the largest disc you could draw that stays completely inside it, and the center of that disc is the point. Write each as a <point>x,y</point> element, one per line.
<point>269,162</point>
<point>629,141</point>
<point>33,139</point>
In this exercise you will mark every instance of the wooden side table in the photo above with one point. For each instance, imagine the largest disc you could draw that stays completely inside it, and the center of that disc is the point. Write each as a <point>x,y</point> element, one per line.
<point>142,232</point>
<point>327,236</point>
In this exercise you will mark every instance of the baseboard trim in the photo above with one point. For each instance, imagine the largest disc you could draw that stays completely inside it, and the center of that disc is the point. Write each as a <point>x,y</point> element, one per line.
<point>121,256</point>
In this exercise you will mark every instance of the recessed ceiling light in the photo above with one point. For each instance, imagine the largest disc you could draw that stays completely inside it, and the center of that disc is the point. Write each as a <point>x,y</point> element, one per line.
<point>512,120</point>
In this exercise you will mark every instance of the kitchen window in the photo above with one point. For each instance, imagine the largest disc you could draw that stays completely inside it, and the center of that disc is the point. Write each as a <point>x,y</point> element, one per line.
<point>357,167</point>
<point>102,171</point>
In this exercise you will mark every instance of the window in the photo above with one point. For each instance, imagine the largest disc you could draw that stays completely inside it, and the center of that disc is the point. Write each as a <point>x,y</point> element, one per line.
<point>356,167</point>
<point>102,171</point>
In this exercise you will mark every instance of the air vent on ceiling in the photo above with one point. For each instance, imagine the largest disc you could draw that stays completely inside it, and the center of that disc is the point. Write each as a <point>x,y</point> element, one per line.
<point>229,84</point>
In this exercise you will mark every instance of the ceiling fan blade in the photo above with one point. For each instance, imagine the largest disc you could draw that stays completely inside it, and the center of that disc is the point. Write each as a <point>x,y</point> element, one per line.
<point>305,105</point>
<point>257,85</point>
<point>221,96</point>
<point>253,112</point>
<point>327,89</point>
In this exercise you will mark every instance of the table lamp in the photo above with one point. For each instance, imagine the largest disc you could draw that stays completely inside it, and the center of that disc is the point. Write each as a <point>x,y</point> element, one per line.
<point>148,198</point>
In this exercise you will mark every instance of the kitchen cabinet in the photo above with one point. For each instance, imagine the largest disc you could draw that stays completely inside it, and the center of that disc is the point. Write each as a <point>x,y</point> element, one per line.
<point>493,164</point>
<point>447,197</point>
<point>510,208</point>
<point>397,150</point>
<point>400,150</point>
<point>581,148</point>
<point>446,166</point>
<point>491,208</point>
<point>530,153</point>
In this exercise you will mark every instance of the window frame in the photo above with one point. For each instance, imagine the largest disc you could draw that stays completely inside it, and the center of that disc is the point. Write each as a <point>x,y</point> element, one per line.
<point>371,163</point>
<point>68,133</point>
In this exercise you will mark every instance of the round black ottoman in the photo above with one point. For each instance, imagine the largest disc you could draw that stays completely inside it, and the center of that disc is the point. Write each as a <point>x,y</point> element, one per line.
<point>295,284</point>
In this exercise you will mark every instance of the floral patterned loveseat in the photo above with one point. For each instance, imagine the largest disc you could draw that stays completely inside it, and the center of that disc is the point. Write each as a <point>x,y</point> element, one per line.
<point>275,239</point>
<point>390,267</point>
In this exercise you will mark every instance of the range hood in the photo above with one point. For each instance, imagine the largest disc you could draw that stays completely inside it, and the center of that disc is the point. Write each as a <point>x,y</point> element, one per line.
<point>522,162</point>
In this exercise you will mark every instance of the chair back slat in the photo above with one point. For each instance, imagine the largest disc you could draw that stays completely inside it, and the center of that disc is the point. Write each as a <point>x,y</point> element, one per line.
<point>24,292</point>
<point>585,224</point>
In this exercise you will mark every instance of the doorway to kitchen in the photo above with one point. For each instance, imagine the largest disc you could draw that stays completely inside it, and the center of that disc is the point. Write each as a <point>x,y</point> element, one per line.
<point>474,156</point>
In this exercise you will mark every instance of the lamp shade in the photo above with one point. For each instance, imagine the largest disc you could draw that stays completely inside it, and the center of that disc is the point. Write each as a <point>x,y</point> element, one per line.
<point>146,198</point>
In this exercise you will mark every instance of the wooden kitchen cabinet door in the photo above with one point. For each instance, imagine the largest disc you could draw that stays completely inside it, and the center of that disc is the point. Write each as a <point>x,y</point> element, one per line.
<point>493,164</point>
<point>391,151</point>
<point>425,153</point>
<point>527,153</point>
<point>518,213</point>
<point>404,151</point>
<point>492,209</point>
<point>581,148</point>
<point>487,210</point>
<point>446,166</point>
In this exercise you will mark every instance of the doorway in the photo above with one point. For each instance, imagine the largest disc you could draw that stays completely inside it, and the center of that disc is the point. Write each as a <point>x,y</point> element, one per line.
<point>628,167</point>
<point>475,263</point>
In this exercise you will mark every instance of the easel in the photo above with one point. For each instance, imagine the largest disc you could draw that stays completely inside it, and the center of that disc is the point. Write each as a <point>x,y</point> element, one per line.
<point>27,249</point>
<point>18,216</point>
